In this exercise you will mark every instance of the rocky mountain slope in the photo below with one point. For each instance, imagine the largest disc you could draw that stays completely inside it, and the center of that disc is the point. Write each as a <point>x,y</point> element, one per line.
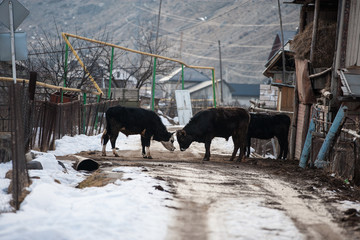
<point>245,28</point>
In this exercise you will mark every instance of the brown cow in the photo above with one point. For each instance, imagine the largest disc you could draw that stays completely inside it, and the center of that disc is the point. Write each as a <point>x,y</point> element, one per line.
<point>216,122</point>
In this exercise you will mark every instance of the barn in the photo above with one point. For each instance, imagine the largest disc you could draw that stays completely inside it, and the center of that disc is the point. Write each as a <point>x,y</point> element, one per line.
<point>327,96</point>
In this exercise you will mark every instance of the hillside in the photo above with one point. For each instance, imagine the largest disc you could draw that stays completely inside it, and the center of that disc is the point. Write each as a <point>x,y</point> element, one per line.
<point>245,28</point>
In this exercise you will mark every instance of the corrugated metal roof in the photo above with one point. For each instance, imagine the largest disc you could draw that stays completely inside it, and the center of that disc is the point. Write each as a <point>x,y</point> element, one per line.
<point>351,82</point>
<point>239,89</point>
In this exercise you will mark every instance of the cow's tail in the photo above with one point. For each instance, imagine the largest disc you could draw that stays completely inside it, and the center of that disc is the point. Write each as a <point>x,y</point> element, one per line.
<point>107,129</point>
<point>102,137</point>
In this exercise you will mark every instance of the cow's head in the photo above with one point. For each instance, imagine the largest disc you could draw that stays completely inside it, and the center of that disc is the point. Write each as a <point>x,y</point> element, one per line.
<point>183,139</point>
<point>169,145</point>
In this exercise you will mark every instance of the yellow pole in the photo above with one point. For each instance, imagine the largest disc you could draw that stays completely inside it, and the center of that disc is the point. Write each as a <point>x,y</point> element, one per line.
<point>65,35</point>
<point>48,85</point>
<point>82,64</point>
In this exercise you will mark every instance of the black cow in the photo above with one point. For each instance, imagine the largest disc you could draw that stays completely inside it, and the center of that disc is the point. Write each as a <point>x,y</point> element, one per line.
<point>131,121</point>
<point>216,122</point>
<point>265,126</point>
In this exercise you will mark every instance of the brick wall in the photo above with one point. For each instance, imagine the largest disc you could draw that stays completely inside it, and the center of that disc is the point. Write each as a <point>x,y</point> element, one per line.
<point>268,96</point>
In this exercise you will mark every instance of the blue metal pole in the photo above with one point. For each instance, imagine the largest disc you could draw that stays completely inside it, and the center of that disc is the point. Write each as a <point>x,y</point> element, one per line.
<point>337,123</point>
<point>307,145</point>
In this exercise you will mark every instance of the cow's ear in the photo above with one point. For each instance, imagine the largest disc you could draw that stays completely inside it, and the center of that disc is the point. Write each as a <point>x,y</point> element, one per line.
<point>172,133</point>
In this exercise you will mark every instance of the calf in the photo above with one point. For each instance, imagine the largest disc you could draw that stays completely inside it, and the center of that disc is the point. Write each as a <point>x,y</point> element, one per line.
<point>216,122</point>
<point>268,126</point>
<point>131,121</point>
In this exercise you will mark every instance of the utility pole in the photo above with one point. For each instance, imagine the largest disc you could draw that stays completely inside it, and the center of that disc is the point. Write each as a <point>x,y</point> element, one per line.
<point>158,25</point>
<point>314,32</point>
<point>181,43</point>
<point>154,69</point>
<point>282,44</point>
<point>221,80</point>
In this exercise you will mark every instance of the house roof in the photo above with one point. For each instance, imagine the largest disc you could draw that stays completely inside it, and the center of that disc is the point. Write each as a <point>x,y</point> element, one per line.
<point>276,63</point>
<point>350,79</point>
<point>240,89</point>
<point>201,85</point>
<point>288,36</point>
<point>190,75</point>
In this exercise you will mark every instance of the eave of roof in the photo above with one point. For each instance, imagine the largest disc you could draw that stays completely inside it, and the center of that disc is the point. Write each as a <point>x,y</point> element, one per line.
<point>271,63</point>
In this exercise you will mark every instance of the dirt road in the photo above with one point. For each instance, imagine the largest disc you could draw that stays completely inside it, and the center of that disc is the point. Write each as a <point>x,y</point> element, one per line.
<point>229,200</point>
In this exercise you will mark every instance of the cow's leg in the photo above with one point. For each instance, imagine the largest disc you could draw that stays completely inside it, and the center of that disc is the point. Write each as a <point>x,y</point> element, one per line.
<point>283,147</point>
<point>145,144</point>
<point>104,139</point>
<point>242,149</point>
<point>236,146</point>
<point>207,150</point>
<point>286,148</point>
<point>113,137</point>
<point>248,146</point>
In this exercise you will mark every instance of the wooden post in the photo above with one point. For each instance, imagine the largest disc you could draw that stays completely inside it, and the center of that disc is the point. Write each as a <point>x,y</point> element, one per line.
<point>315,27</point>
<point>20,176</point>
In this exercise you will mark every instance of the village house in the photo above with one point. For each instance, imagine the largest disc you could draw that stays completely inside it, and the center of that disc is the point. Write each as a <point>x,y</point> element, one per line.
<point>327,97</point>
<point>242,94</point>
<point>274,70</point>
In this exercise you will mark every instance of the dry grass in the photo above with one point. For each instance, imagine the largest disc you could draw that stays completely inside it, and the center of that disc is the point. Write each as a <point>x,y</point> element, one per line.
<point>324,48</point>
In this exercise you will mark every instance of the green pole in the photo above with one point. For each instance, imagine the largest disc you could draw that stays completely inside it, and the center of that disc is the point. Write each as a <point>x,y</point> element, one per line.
<point>84,114</point>
<point>111,67</point>
<point>182,76</point>
<point>213,81</point>
<point>153,87</point>
<point>65,69</point>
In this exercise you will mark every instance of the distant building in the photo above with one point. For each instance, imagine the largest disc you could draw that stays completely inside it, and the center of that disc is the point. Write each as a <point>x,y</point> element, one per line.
<point>243,93</point>
<point>174,82</point>
<point>274,70</point>
<point>205,91</point>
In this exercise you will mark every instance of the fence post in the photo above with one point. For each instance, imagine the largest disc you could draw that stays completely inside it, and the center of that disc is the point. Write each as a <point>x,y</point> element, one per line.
<point>84,113</point>
<point>20,175</point>
<point>65,68</point>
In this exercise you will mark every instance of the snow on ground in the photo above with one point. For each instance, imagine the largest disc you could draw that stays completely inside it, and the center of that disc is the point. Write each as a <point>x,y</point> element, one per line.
<point>131,209</point>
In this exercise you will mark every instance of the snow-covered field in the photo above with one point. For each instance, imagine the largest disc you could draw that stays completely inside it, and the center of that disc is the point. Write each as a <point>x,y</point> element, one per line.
<point>131,209</point>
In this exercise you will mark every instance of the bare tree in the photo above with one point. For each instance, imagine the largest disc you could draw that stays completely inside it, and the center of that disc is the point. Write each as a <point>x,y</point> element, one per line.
<point>47,57</point>
<point>142,66</point>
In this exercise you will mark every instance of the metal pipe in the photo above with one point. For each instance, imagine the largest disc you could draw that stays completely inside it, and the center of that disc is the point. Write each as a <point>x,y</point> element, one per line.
<point>131,50</point>
<point>65,35</point>
<point>330,137</point>
<point>49,85</point>
<point>307,145</point>
<point>82,64</point>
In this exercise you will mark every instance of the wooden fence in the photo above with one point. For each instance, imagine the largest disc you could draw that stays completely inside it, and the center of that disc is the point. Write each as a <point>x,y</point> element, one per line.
<point>52,121</point>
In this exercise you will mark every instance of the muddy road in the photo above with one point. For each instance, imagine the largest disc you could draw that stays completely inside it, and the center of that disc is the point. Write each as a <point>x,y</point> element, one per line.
<point>230,200</point>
